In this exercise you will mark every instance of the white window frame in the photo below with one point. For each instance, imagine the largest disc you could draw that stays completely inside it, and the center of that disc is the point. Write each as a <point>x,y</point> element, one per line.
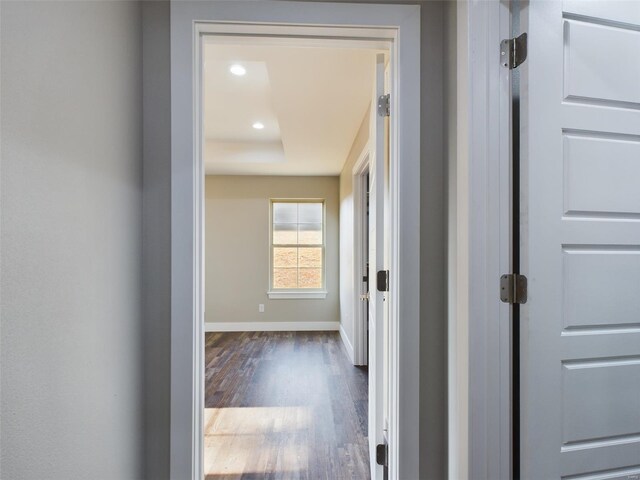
<point>298,293</point>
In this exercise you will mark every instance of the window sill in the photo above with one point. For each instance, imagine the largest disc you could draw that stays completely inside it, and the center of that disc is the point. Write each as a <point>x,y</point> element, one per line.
<point>296,295</point>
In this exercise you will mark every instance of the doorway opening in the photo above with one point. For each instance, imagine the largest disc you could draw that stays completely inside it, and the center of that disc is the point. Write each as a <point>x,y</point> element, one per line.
<point>395,28</point>
<point>361,259</point>
<point>291,134</point>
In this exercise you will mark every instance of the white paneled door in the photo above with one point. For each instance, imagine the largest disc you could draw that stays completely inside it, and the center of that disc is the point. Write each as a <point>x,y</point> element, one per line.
<point>580,193</point>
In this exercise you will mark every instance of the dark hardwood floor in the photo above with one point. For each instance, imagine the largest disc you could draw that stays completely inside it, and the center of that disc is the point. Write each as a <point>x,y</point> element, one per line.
<point>284,405</point>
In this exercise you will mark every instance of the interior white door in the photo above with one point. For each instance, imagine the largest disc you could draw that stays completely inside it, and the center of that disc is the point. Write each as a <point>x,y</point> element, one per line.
<point>580,329</point>
<point>376,263</point>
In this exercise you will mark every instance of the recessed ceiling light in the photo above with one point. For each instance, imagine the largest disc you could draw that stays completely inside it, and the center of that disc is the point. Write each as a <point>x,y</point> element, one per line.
<point>258,126</point>
<point>238,70</point>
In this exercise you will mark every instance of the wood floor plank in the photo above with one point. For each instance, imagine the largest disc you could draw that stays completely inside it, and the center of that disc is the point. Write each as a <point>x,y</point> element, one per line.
<point>283,405</point>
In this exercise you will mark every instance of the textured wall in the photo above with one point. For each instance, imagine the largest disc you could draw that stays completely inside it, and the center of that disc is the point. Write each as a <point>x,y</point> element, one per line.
<point>71,396</point>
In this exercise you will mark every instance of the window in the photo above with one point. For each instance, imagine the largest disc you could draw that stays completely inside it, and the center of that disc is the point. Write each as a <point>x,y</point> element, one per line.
<point>297,249</point>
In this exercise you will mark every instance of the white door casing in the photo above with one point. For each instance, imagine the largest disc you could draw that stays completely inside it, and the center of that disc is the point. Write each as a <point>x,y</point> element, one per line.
<point>386,258</point>
<point>398,25</point>
<point>580,213</point>
<point>376,263</point>
<point>479,242</point>
<point>360,257</point>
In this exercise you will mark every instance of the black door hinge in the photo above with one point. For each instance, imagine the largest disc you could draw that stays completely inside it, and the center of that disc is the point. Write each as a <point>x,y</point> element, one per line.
<point>384,105</point>
<point>382,454</point>
<point>513,288</point>
<point>382,280</point>
<point>513,51</point>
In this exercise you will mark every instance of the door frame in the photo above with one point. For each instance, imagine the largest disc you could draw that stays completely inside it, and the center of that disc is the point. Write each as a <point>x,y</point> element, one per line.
<point>399,24</point>
<point>360,231</point>
<point>480,246</point>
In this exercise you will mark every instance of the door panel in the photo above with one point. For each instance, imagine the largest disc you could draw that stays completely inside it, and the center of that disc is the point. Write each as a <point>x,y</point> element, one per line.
<point>620,11</point>
<point>583,381</point>
<point>601,173</point>
<point>580,231</point>
<point>595,279</point>
<point>588,53</point>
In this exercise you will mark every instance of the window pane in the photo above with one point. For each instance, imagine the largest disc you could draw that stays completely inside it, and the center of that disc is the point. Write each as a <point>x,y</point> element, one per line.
<point>310,213</point>
<point>285,213</point>
<point>285,257</point>
<point>285,278</point>
<point>310,278</point>
<point>310,257</point>
<point>310,233</point>
<point>296,224</point>
<point>285,234</point>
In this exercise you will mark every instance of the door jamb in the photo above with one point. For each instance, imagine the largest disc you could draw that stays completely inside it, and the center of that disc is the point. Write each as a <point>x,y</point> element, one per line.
<point>480,209</point>
<point>385,21</point>
<point>360,320</point>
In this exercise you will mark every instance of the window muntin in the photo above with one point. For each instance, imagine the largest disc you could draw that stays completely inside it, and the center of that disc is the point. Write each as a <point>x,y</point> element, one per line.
<point>297,245</point>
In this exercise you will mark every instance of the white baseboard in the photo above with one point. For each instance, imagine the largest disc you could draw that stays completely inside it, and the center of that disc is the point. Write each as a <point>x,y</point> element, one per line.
<point>347,344</point>
<point>270,326</point>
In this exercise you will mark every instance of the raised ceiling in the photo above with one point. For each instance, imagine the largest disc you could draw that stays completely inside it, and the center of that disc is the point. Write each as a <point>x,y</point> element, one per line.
<point>310,99</point>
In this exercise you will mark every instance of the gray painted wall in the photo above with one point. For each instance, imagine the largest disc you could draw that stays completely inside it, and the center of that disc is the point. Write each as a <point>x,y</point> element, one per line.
<point>156,234</point>
<point>71,193</point>
<point>433,229</point>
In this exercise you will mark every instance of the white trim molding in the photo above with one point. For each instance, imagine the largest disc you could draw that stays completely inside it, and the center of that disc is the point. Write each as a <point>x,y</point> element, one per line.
<point>296,294</point>
<point>480,243</point>
<point>271,326</point>
<point>360,230</point>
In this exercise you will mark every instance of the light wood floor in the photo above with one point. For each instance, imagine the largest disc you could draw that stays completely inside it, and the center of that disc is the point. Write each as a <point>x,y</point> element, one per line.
<point>284,405</point>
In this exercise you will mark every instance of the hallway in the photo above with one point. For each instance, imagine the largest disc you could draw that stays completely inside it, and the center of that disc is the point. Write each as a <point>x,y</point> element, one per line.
<point>283,405</point>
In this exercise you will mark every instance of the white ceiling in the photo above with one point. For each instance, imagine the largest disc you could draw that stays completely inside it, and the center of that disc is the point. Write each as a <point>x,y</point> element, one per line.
<point>311,100</point>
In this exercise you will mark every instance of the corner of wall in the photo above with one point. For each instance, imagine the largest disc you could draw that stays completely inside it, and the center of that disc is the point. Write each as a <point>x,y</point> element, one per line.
<point>433,252</point>
<point>156,231</point>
